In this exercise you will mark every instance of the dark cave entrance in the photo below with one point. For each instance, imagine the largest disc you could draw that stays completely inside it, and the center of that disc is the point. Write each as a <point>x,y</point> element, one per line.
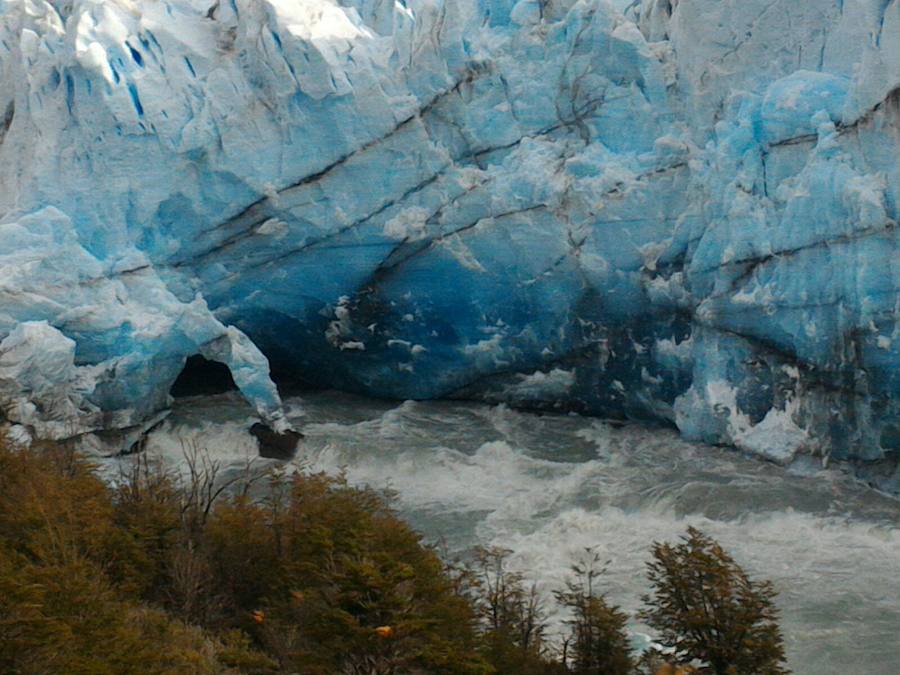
<point>202,377</point>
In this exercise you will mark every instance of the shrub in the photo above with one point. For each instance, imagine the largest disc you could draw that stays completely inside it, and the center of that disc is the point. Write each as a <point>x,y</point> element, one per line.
<point>60,612</point>
<point>598,643</point>
<point>511,613</point>
<point>52,506</point>
<point>328,579</point>
<point>705,607</point>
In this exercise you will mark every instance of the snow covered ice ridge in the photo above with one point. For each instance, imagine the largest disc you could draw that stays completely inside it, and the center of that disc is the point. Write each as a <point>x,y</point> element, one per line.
<point>672,210</point>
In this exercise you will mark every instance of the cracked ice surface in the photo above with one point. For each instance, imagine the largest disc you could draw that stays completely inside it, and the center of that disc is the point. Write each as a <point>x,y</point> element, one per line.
<point>673,210</point>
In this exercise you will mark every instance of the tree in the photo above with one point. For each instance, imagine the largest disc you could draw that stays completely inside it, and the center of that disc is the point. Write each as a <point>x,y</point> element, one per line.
<point>512,615</point>
<point>598,643</point>
<point>164,574</point>
<point>705,607</point>
<point>61,609</point>
<point>506,603</point>
<point>327,579</point>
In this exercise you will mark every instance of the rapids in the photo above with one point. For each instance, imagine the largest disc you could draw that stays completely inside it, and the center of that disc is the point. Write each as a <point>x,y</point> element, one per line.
<point>547,486</point>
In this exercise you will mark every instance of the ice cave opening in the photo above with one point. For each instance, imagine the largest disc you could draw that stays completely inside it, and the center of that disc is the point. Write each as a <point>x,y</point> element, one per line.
<point>203,377</point>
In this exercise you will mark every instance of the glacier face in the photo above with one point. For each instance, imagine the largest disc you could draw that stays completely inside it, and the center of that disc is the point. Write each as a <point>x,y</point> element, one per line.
<point>682,210</point>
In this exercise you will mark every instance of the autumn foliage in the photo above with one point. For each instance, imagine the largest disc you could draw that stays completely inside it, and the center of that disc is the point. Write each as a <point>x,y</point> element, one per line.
<point>706,609</point>
<point>146,577</point>
<point>265,571</point>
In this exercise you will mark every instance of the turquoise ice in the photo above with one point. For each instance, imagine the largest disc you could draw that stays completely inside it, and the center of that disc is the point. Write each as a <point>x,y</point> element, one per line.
<point>682,211</point>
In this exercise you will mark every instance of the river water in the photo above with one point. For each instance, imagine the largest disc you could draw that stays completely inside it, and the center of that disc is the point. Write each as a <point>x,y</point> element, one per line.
<point>548,486</point>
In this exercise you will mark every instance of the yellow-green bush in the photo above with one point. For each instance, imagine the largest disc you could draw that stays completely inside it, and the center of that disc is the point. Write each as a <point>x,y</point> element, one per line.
<point>59,610</point>
<point>318,577</point>
<point>314,571</point>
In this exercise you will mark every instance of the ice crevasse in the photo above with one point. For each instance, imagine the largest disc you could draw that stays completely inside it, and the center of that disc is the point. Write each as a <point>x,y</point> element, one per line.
<point>676,210</point>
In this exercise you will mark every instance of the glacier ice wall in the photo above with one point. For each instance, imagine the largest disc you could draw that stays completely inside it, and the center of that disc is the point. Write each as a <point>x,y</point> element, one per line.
<point>681,210</point>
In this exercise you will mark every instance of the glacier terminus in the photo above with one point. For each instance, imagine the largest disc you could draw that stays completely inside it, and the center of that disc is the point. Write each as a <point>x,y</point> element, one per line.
<point>673,210</point>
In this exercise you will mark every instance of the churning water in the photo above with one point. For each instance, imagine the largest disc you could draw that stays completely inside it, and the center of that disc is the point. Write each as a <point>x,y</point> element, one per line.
<point>547,486</point>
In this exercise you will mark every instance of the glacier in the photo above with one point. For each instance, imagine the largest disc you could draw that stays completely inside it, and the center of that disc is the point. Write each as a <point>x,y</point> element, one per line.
<point>673,210</point>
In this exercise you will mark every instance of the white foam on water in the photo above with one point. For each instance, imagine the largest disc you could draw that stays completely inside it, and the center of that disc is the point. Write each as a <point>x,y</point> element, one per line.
<point>496,478</point>
<point>838,580</point>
